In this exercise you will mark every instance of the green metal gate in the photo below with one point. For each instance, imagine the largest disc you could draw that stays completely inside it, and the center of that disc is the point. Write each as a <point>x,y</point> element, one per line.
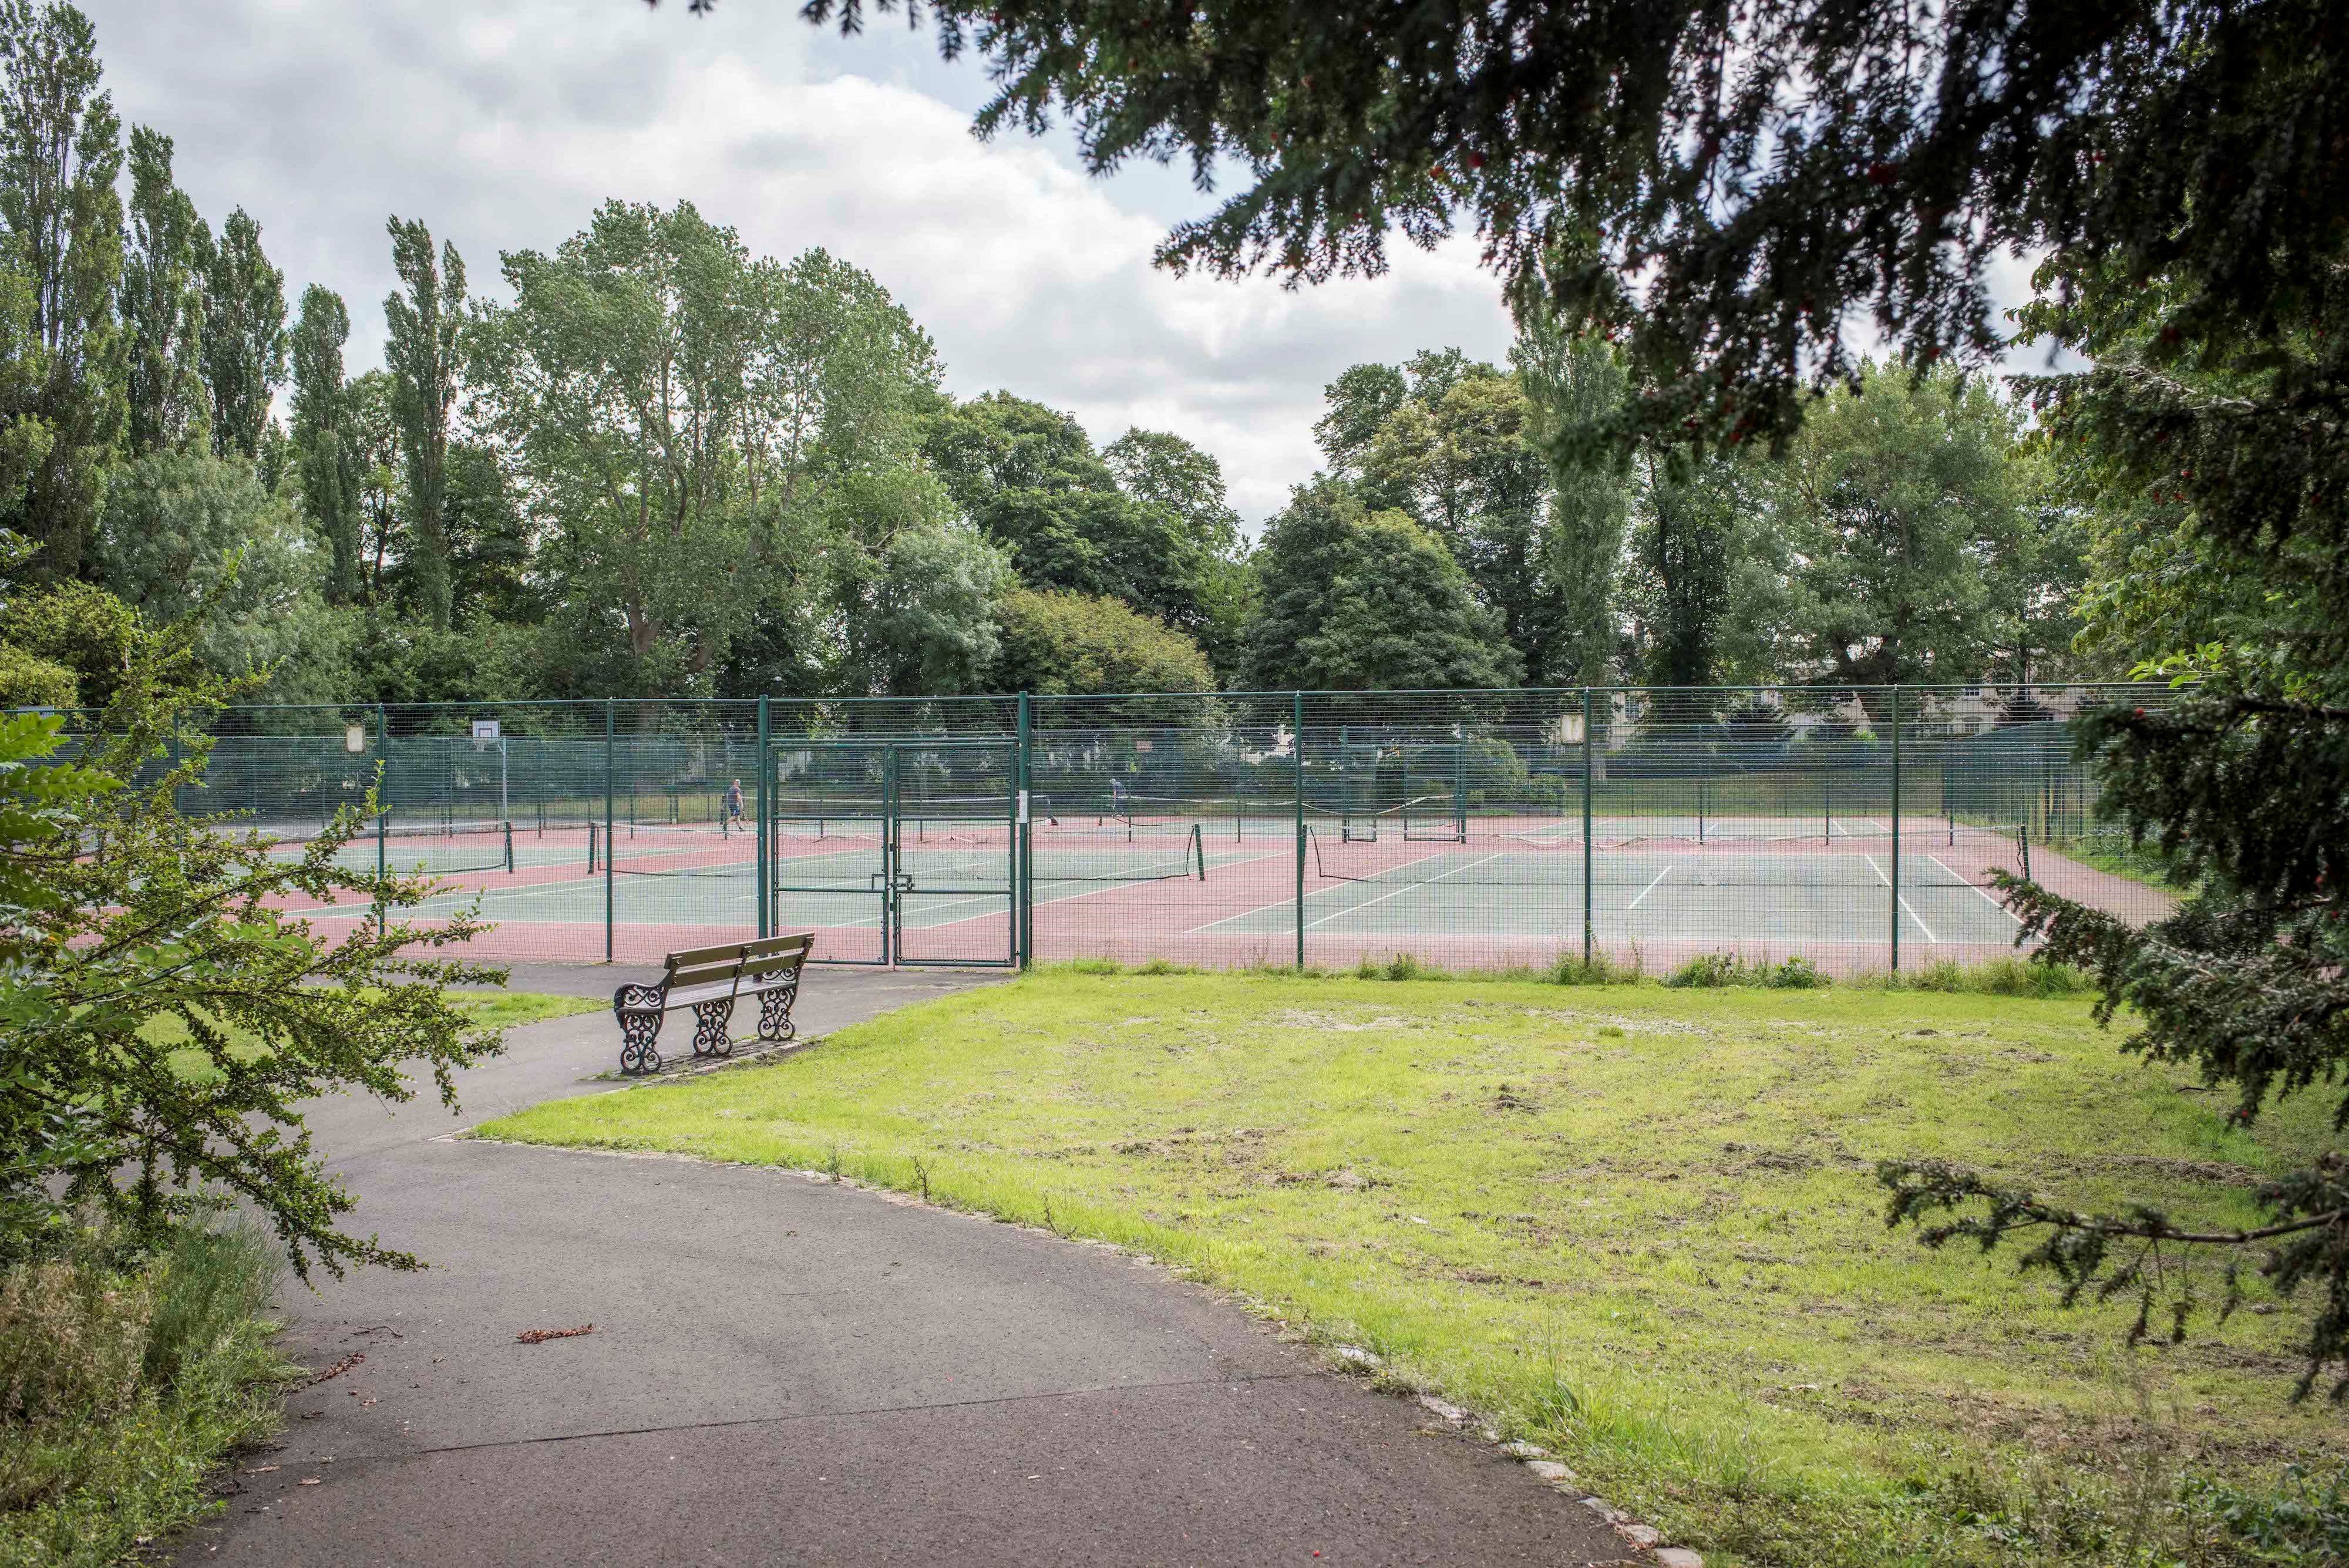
<point>897,852</point>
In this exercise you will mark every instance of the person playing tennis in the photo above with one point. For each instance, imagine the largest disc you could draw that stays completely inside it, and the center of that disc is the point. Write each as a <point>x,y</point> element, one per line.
<point>733,806</point>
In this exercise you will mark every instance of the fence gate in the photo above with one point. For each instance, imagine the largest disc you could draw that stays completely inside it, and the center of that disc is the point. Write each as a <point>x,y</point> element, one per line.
<point>896,851</point>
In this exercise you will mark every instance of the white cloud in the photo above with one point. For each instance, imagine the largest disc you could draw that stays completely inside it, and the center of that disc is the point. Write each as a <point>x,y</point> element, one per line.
<point>504,127</point>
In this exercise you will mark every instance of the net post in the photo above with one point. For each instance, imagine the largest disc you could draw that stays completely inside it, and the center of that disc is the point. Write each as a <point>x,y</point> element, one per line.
<point>766,919</point>
<point>1297,743</point>
<point>1460,784</point>
<point>609,727</point>
<point>1589,935</point>
<point>1896,829</point>
<point>1023,885</point>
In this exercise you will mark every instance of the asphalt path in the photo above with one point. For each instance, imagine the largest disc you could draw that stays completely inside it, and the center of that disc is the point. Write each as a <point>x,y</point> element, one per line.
<point>785,1370</point>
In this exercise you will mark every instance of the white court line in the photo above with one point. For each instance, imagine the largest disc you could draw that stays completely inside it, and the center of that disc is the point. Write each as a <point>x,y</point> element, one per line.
<point>1652,886</point>
<point>1291,902</point>
<point>1994,903</point>
<point>1408,886</point>
<point>1930,939</point>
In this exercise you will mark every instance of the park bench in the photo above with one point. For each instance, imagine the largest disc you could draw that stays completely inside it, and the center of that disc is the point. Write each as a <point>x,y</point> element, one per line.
<point>709,981</point>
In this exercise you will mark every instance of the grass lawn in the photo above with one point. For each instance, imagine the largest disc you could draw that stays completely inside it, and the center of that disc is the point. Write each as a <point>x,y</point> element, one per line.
<point>1633,1224</point>
<point>499,1009</point>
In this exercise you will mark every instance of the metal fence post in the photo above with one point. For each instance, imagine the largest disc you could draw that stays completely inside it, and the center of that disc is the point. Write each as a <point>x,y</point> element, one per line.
<point>382,806</point>
<point>609,709</point>
<point>1297,743</point>
<point>1023,884</point>
<point>1589,740</point>
<point>1896,830</point>
<point>766,919</point>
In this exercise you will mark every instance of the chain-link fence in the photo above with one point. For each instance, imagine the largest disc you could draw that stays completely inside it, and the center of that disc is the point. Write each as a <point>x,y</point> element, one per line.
<point>1856,828</point>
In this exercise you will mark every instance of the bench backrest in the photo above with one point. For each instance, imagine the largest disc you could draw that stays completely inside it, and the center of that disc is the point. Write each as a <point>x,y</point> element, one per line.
<point>748,961</point>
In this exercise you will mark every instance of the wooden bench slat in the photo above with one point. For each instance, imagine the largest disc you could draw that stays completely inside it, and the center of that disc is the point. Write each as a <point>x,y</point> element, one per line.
<point>728,952</point>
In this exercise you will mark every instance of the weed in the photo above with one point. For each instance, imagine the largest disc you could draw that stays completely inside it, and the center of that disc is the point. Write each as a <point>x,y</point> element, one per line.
<point>1709,971</point>
<point>123,1378</point>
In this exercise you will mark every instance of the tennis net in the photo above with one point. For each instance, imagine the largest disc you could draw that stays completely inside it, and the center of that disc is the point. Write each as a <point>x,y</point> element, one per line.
<point>438,849</point>
<point>631,850</point>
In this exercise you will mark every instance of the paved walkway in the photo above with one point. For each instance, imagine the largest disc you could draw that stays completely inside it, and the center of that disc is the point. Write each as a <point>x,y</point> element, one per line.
<point>788,1371</point>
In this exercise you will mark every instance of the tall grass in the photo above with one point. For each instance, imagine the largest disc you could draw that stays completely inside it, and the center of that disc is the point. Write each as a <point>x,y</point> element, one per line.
<point>123,1378</point>
<point>2015,976</point>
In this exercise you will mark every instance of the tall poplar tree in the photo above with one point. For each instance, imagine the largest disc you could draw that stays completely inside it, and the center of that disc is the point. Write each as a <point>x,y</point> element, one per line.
<point>61,153</point>
<point>243,352</point>
<point>323,442</point>
<point>424,356</point>
<point>163,301</point>
<point>1571,381</point>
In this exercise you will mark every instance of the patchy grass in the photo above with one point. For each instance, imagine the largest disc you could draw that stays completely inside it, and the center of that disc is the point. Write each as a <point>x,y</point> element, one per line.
<point>123,1381</point>
<point>498,1008</point>
<point>1636,1224</point>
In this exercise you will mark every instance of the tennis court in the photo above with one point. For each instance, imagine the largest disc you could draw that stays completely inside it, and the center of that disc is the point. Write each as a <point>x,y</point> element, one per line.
<point>1860,828</point>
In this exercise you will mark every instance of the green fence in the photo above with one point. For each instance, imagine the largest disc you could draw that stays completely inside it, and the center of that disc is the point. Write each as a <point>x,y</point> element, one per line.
<point>1858,829</point>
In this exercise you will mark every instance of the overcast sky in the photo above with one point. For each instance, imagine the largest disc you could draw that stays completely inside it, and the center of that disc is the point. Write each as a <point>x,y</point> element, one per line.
<point>502,123</point>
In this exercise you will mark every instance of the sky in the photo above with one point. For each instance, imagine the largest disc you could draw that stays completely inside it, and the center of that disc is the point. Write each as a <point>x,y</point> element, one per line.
<point>503,123</point>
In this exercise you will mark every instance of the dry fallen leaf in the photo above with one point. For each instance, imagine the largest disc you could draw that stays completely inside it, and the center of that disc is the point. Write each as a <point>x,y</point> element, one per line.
<point>541,1336</point>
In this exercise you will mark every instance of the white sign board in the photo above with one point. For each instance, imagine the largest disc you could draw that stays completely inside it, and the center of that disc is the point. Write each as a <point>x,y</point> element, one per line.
<point>485,729</point>
<point>355,739</point>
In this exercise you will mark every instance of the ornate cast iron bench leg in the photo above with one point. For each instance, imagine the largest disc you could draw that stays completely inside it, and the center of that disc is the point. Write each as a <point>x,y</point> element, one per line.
<point>711,1022</point>
<point>775,1011</point>
<point>637,1007</point>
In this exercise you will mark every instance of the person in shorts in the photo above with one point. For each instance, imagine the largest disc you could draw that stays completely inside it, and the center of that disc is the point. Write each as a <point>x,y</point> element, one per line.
<point>733,804</point>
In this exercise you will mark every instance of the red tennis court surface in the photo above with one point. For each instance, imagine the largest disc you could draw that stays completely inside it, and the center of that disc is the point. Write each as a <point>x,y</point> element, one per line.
<point>1511,893</point>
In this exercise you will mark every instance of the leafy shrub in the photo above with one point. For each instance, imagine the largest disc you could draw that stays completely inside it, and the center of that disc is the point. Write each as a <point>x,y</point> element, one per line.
<point>1711,970</point>
<point>2306,1520</point>
<point>124,1376</point>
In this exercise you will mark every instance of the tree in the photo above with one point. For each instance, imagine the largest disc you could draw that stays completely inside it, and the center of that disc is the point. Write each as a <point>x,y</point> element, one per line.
<point>1361,400</point>
<point>1569,384</point>
<point>1355,600</point>
<point>1063,644</point>
<point>373,439</point>
<point>117,914</point>
<point>421,355</point>
<point>1684,550</point>
<point>618,380</point>
<point>1028,477</point>
<point>162,302</point>
<point>1167,474</point>
<point>1456,457</point>
<point>60,153</point>
<point>928,626</point>
<point>28,681</point>
<point>190,536</point>
<point>1895,504</point>
<point>323,439</point>
<point>81,628</point>
<point>244,342</point>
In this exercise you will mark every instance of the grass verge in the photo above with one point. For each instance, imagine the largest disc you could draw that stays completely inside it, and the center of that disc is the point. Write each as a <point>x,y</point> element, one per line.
<point>1636,1224</point>
<point>498,1008</point>
<point>123,1380</point>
